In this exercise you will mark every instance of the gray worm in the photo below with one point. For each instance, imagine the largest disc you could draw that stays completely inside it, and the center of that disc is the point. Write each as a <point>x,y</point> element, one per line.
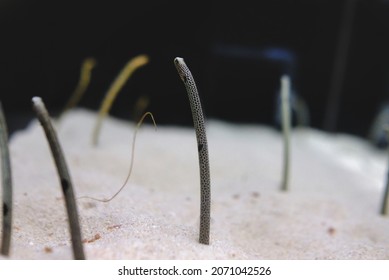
<point>199,125</point>
<point>63,173</point>
<point>285,103</point>
<point>7,185</point>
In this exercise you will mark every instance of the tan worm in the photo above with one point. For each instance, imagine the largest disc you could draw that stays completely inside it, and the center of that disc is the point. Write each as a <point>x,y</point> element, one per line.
<point>131,164</point>
<point>113,91</point>
<point>85,76</point>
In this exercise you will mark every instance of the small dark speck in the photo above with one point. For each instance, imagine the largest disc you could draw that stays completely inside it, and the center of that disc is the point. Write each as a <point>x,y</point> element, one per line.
<point>96,237</point>
<point>25,194</point>
<point>188,198</point>
<point>89,205</point>
<point>114,227</point>
<point>255,194</point>
<point>5,209</point>
<point>331,231</point>
<point>48,250</point>
<point>236,196</point>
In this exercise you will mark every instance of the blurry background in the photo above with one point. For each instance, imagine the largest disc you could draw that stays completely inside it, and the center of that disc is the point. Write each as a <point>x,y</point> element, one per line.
<point>236,51</point>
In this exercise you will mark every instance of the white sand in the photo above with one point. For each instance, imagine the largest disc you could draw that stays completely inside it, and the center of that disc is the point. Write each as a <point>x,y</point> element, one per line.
<point>330,212</point>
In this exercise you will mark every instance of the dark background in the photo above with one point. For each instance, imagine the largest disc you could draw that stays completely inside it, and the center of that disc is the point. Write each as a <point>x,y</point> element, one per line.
<point>44,42</point>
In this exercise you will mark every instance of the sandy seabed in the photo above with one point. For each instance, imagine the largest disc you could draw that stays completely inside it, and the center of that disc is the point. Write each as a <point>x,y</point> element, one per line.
<point>330,212</point>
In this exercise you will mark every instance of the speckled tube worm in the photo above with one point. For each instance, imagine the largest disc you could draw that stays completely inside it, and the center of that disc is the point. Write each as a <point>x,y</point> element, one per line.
<point>63,173</point>
<point>199,125</point>
<point>285,103</point>
<point>7,186</point>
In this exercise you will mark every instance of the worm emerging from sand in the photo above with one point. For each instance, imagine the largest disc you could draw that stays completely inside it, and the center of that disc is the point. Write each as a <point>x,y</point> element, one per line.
<point>7,186</point>
<point>199,125</point>
<point>63,173</point>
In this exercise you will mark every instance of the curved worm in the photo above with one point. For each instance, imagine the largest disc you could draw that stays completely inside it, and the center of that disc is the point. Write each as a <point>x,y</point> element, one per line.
<point>113,91</point>
<point>131,164</point>
<point>63,173</point>
<point>85,76</point>
<point>7,186</point>
<point>199,125</point>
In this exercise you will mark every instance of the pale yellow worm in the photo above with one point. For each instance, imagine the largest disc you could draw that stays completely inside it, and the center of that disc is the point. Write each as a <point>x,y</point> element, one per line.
<point>113,91</point>
<point>85,76</point>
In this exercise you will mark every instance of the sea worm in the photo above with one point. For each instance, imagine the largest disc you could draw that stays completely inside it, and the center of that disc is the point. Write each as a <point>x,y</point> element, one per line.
<point>285,94</point>
<point>385,200</point>
<point>199,125</point>
<point>132,160</point>
<point>113,91</point>
<point>299,111</point>
<point>64,176</point>
<point>85,76</point>
<point>7,185</point>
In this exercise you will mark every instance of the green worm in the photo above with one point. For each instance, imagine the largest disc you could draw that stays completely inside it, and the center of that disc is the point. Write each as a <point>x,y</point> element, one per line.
<point>63,173</point>
<point>285,97</point>
<point>7,186</point>
<point>199,125</point>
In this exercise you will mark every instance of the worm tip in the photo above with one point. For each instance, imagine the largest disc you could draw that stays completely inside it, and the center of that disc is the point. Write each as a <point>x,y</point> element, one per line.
<point>36,100</point>
<point>285,79</point>
<point>178,60</point>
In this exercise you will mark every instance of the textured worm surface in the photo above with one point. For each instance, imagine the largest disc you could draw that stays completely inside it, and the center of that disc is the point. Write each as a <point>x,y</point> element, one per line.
<point>7,186</point>
<point>199,124</point>
<point>64,176</point>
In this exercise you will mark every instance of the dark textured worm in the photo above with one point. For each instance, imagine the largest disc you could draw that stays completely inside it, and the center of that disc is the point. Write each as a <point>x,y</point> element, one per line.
<point>63,173</point>
<point>199,125</point>
<point>285,98</point>
<point>7,186</point>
